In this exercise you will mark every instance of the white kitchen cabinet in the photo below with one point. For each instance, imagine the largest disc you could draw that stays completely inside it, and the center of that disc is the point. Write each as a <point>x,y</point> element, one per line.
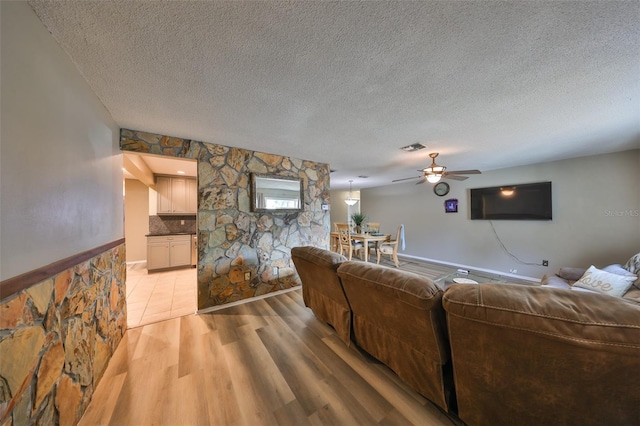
<point>176,195</point>
<point>180,252</point>
<point>168,251</point>
<point>163,186</point>
<point>192,195</point>
<point>158,255</point>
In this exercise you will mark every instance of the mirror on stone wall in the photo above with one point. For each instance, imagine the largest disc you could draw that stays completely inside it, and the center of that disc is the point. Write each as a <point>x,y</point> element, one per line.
<point>272,193</point>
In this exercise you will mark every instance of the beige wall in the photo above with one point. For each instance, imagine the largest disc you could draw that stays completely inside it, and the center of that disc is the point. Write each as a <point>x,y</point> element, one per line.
<point>60,171</point>
<point>340,212</point>
<point>60,195</point>
<point>595,217</point>
<point>136,219</point>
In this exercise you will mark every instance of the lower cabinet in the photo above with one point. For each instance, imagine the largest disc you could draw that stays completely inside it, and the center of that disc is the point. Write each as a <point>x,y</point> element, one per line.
<point>168,251</point>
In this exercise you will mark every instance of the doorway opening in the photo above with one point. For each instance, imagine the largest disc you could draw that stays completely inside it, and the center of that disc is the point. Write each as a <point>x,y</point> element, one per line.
<point>160,237</point>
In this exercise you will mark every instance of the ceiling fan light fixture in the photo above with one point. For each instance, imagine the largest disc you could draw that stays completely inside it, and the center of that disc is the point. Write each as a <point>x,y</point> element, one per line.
<point>434,172</point>
<point>433,178</point>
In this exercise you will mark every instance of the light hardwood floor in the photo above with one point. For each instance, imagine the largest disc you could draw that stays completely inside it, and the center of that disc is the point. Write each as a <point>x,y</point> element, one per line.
<point>266,362</point>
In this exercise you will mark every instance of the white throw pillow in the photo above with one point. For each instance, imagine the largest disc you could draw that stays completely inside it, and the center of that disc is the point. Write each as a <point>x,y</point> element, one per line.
<point>605,282</point>
<point>618,270</point>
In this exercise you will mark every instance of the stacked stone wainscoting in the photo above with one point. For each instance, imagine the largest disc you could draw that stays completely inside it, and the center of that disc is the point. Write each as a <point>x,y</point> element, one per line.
<point>234,242</point>
<point>56,339</point>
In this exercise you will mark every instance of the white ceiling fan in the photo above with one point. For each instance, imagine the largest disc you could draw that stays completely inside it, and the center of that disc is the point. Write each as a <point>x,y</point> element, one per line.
<point>435,172</point>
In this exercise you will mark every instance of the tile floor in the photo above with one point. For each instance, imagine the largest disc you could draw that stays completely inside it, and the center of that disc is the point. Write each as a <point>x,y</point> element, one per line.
<point>160,295</point>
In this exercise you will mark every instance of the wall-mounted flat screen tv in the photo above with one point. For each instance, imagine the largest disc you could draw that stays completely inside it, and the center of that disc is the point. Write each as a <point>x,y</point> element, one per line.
<point>531,201</point>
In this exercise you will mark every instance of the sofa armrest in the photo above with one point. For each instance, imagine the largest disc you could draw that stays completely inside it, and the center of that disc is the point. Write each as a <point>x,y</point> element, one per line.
<point>322,290</point>
<point>571,274</point>
<point>543,355</point>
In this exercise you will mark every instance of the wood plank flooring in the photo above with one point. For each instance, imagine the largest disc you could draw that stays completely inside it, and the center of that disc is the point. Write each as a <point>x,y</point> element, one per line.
<point>266,362</point>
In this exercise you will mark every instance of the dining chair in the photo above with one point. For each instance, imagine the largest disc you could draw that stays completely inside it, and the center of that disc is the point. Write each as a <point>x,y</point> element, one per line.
<point>390,248</point>
<point>373,228</point>
<point>344,240</point>
<point>335,225</point>
<point>335,241</point>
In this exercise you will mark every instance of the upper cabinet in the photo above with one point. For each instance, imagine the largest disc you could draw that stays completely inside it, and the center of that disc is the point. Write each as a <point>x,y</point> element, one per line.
<point>177,195</point>
<point>192,195</point>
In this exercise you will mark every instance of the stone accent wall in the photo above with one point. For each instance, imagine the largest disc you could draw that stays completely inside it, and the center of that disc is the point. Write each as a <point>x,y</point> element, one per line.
<point>235,243</point>
<point>56,339</point>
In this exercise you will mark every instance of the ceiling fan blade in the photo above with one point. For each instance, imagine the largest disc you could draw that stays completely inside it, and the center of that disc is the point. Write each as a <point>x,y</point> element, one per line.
<point>399,180</point>
<point>424,179</point>
<point>463,172</point>
<point>455,177</point>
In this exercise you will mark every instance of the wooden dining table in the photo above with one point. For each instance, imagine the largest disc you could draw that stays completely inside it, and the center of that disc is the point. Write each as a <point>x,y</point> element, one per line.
<point>365,238</point>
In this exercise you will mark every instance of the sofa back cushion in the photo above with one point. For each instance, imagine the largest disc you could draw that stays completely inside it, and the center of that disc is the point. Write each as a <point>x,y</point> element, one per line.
<point>398,319</point>
<point>543,355</point>
<point>321,288</point>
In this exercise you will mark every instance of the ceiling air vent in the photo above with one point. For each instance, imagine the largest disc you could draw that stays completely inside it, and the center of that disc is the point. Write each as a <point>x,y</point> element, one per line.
<point>413,147</point>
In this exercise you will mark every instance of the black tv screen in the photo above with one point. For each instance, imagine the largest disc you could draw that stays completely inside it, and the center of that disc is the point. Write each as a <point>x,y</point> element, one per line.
<point>531,201</point>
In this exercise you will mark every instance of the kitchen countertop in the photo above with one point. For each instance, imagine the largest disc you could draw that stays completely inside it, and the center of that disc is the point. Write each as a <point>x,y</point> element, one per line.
<point>170,233</point>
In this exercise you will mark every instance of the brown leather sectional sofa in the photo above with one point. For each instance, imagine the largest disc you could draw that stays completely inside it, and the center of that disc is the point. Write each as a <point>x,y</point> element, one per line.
<point>493,354</point>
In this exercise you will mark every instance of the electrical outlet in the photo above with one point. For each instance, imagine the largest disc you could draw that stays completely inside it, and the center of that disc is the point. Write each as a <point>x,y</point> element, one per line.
<point>247,276</point>
<point>545,263</point>
<point>181,221</point>
<point>275,270</point>
<point>513,270</point>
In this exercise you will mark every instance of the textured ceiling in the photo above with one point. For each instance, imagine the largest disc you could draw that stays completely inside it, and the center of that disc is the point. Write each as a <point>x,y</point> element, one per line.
<point>487,84</point>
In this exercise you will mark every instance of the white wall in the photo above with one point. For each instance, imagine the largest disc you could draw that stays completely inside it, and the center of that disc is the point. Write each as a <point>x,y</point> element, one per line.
<point>60,175</point>
<point>136,219</point>
<point>595,217</point>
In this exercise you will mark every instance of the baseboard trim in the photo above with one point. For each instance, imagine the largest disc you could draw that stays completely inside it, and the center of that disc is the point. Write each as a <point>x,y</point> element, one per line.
<point>469,267</point>
<point>243,301</point>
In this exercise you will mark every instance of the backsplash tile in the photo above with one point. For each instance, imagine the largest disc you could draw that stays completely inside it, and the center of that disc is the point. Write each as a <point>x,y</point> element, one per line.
<point>172,224</point>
